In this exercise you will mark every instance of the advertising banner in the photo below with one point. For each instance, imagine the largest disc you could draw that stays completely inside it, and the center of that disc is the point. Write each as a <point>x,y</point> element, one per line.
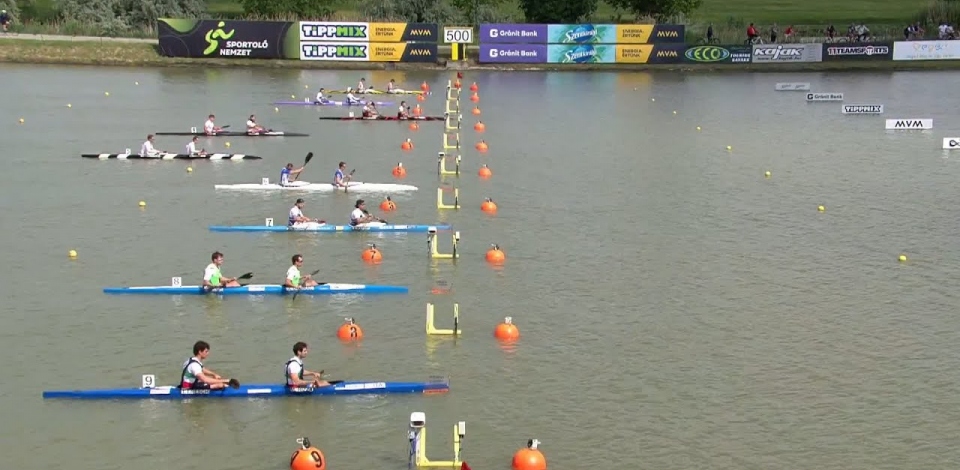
<point>907,124</point>
<point>718,54</point>
<point>517,33</point>
<point>581,54</point>
<point>786,53</point>
<point>951,143</point>
<point>926,50</point>
<point>513,53</point>
<point>862,109</point>
<point>227,39</point>
<point>824,96</point>
<point>858,51</point>
<point>650,53</point>
<point>368,51</point>
<point>369,32</point>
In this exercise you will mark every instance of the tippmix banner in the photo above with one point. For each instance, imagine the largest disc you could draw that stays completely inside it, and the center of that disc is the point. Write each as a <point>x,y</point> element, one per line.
<point>369,32</point>
<point>514,33</point>
<point>581,54</point>
<point>227,39</point>
<point>368,51</point>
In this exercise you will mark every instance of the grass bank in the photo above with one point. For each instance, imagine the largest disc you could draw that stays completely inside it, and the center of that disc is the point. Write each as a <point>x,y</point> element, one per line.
<point>145,54</point>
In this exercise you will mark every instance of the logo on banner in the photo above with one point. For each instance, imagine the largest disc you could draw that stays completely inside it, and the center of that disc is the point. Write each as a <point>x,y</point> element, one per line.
<point>668,34</point>
<point>335,51</point>
<point>857,50</point>
<point>333,31</point>
<point>908,124</point>
<point>824,96</point>
<point>707,54</point>
<point>214,35</point>
<point>951,143</point>
<point>785,53</point>
<point>863,109</point>
<point>666,54</point>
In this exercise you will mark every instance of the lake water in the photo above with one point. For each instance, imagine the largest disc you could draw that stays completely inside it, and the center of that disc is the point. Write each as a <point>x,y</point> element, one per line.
<point>677,308</point>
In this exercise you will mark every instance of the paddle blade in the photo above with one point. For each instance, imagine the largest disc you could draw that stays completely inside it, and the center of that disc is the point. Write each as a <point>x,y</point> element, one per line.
<point>353,171</point>
<point>314,273</point>
<point>234,383</point>
<point>224,127</point>
<point>334,382</point>
<point>309,157</point>
<point>246,276</point>
<point>464,466</point>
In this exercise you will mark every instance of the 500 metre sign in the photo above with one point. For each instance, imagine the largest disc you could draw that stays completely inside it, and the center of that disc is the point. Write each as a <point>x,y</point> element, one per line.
<point>368,51</point>
<point>368,32</point>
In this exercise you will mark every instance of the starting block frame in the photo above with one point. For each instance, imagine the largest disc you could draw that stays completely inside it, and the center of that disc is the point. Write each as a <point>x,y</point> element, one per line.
<point>432,330</point>
<point>434,250</point>
<point>456,200</point>
<point>418,439</point>
<point>446,141</point>
<point>446,123</point>
<point>442,166</point>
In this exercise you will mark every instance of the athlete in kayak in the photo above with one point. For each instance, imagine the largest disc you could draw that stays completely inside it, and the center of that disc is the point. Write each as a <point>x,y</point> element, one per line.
<point>197,377</point>
<point>404,111</point>
<point>212,276</point>
<point>297,217</point>
<point>192,147</point>
<point>392,87</point>
<point>362,86</point>
<point>360,214</point>
<point>295,372</point>
<point>287,172</point>
<point>147,150</point>
<point>294,279</point>
<point>351,100</point>
<point>209,127</point>
<point>340,179</point>
<point>370,110</point>
<point>252,127</point>
<point>320,99</point>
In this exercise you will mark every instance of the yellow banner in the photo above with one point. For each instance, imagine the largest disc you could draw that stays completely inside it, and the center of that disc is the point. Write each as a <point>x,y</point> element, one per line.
<point>398,32</point>
<point>634,33</point>
<point>636,54</point>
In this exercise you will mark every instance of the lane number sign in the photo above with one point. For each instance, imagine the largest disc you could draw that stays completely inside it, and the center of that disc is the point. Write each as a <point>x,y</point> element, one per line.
<point>454,35</point>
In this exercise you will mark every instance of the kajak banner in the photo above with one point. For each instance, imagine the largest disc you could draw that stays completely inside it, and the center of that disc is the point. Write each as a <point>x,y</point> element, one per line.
<point>581,54</point>
<point>510,33</point>
<point>229,39</point>
<point>369,32</point>
<point>368,51</point>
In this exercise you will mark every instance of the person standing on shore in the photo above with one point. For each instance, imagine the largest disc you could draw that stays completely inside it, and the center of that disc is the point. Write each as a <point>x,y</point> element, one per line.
<point>4,20</point>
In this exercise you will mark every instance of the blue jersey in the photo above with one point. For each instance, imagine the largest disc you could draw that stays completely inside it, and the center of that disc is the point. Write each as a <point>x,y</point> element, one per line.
<point>338,177</point>
<point>284,176</point>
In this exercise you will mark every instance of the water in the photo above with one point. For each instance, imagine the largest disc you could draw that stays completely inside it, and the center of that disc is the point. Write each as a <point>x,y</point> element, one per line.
<point>678,310</point>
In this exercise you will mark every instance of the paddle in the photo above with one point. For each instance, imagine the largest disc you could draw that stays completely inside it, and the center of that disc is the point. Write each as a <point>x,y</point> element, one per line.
<point>378,218</point>
<point>305,161</point>
<point>243,276</point>
<point>302,282</point>
<point>233,383</point>
<point>346,180</point>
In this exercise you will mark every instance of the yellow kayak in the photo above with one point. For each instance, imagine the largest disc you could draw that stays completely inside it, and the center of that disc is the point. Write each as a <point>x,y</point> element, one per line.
<point>378,92</point>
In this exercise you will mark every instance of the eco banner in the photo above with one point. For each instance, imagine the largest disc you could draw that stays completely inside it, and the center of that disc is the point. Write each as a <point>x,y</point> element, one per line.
<point>718,54</point>
<point>227,39</point>
<point>368,51</point>
<point>369,32</point>
<point>521,33</point>
<point>858,51</point>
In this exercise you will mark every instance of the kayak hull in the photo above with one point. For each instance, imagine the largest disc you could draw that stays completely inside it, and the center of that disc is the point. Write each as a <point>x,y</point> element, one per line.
<point>352,187</point>
<point>330,103</point>
<point>259,289</point>
<point>251,391</point>
<point>327,228</point>
<point>170,156</point>
<point>383,118</point>
<point>371,91</point>
<point>238,134</point>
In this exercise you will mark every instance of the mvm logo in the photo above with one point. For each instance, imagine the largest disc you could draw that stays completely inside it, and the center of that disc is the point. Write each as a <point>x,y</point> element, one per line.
<point>421,33</point>
<point>667,54</point>
<point>908,125</point>
<point>668,34</point>
<point>420,52</point>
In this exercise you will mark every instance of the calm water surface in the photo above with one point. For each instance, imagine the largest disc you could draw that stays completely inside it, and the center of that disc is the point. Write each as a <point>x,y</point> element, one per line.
<point>678,309</point>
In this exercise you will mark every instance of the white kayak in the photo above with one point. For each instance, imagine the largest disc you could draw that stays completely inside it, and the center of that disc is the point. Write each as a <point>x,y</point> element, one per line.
<point>352,187</point>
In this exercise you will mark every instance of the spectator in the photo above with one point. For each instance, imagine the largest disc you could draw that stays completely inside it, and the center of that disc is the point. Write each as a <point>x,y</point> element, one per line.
<point>773,33</point>
<point>863,33</point>
<point>851,32</point>
<point>913,32</point>
<point>752,34</point>
<point>951,34</point>
<point>4,20</point>
<point>710,33</point>
<point>831,33</point>
<point>788,33</point>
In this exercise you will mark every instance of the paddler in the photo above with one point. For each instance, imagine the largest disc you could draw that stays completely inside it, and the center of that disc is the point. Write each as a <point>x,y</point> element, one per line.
<point>340,179</point>
<point>350,99</point>
<point>362,86</point>
<point>295,372</point>
<point>392,87</point>
<point>320,99</point>
<point>192,147</point>
<point>370,110</point>
<point>404,111</point>
<point>287,172</point>
<point>209,127</point>
<point>252,127</point>
<point>212,276</point>
<point>197,377</point>
<point>147,150</point>
<point>294,279</point>
<point>297,217</point>
<point>360,214</point>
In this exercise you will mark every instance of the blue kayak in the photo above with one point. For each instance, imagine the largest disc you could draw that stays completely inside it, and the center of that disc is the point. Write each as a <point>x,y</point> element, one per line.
<point>324,228</point>
<point>253,391</point>
<point>261,289</point>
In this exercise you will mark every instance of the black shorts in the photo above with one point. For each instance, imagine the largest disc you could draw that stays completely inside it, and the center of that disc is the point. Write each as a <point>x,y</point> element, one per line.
<point>198,385</point>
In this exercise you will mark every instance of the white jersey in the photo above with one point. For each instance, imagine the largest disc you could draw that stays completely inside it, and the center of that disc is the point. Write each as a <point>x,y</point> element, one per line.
<point>361,87</point>
<point>402,109</point>
<point>320,97</point>
<point>356,215</point>
<point>193,370</point>
<point>251,125</point>
<point>147,149</point>
<point>351,98</point>
<point>210,271</point>
<point>390,87</point>
<point>208,126</point>
<point>294,213</point>
<point>294,367</point>
<point>192,148</point>
<point>293,275</point>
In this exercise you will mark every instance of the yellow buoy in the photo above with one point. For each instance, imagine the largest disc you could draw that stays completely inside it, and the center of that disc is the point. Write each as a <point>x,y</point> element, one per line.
<point>189,169</point>
<point>72,253</point>
<point>293,97</point>
<point>276,109</point>
<point>653,99</point>
<point>106,93</point>
<point>227,144</point>
<point>821,208</point>
<point>674,112</point>
<point>69,105</point>
<point>903,257</point>
<point>698,128</point>
<point>21,120</point>
<point>143,204</point>
<point>729,147</point>
<point>307,87</point>
<point>767,174</point>
<point>136,83</point>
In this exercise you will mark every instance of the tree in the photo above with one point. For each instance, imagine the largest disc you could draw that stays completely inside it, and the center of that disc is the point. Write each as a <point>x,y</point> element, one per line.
<point>659,9</point>
<point>305,9</point>
<point>477,11</point>
<point>557,11</point>
<point>411,11</point>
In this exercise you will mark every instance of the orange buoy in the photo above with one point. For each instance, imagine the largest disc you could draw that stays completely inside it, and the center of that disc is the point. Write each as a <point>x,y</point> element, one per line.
<point>407,145</point>
<point>399,171</point>
<point>488,206</point>
<point>496,255</point>
<point>529,458</point>
<point>484,173</point>
<point>507,330</point>
<point>456,84</point>
<point>424,87</point>
<point>481,147</point>
<point>421,98</point>
<point>474,88</point>
<point>350,331</point>
<point>475,98</point>
<point>372,255</point>
<point>307,457</point>
<point>414,126</point>
<point>479,126</point>
<point>417,111</point>
<point>476,111</point>
<point>388,205</point>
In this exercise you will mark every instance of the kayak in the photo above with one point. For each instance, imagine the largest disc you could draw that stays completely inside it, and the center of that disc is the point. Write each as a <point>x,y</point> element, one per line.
<point>329,103</point>
<point>382,118</point>
<point>325,228</point>
<point>261,289</point>
<point>237,134</point>
<point>353,186</point>
<point>171,156</point>
<point>252,391</point>
<point>371,91</point>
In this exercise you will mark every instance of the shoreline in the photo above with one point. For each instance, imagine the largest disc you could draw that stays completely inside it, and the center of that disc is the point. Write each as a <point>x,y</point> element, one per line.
<point>133,52</point>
